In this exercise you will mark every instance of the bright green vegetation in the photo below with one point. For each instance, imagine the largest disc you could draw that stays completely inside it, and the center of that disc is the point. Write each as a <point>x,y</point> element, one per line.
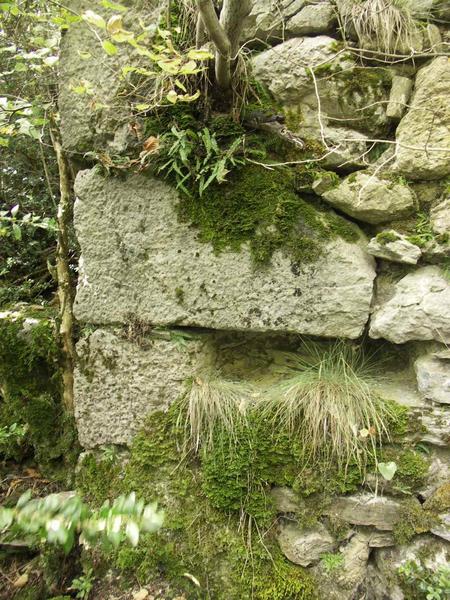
<point>385,237</point>
<point>412,466</point>
<point>415,519</point>
<point>332,562</point>
<point>262,208</point>
<point>421,583</point>
<point>30,383</point>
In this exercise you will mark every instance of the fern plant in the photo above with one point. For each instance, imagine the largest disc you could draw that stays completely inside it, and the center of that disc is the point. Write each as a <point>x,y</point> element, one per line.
<point>196,159</point>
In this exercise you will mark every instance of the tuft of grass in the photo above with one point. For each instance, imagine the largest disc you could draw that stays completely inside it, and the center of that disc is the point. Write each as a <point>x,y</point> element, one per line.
<point>387,25</point>
<point>327,402</point>
<point>213,402</point>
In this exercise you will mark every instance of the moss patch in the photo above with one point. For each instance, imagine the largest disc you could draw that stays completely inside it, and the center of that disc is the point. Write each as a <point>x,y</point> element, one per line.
<point>31,389</point>
<point>262,208</point>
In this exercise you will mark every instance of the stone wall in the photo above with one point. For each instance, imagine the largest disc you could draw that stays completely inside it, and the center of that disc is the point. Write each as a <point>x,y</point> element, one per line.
<point>157,305</point>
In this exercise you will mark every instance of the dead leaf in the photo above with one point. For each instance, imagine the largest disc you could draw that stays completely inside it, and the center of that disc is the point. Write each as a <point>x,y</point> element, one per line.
<point>141,595</point>
<point>151,144</point>
<point>21,581</point>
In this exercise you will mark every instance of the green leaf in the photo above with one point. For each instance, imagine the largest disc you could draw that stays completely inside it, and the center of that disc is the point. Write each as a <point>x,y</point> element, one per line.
<point>94,19</point>
<point>172,96</point>
<point>14,210</point>
<point>4,141</point>
<point>387,470</point>
<point>115,24</point>
<point>109,48</point>
<point>200,55</point>
<point>114,6</point>
<point>17,232</point>
<point>132,533</point>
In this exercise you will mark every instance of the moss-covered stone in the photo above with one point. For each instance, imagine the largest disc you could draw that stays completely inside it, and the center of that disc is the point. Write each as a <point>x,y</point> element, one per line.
<point>31,388</point>
<point>262,208</point>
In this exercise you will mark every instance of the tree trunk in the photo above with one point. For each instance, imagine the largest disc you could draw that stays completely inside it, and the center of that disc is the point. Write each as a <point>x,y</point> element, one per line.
<point>65,291</point>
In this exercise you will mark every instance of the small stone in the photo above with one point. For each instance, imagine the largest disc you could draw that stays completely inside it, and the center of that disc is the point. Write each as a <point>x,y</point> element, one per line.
<point>366,509</point>
<point>398,250</point>
<point>304,546</point>
<point>370,199</point>
<point>399,96</point>
<point>313,19</point>
<point>433,378</point>
<point>440,217</point>
<point>417,310</point>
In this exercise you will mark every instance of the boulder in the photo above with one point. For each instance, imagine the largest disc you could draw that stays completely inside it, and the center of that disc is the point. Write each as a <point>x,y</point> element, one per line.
<point>286,500</point>
<point>399,96</point>
<point>367,509</point>
<point>137,259</point>
<point>304,546</point>
<point>370,199</point>
<point>418,309</point>
<point>346,91</point>
<point>89,120</point>
<point>433,378</point>
<point>394,247</point>
<point>423,135</point>
<point>118,381</point>
<point>312,20</point>
<point>440,217</point>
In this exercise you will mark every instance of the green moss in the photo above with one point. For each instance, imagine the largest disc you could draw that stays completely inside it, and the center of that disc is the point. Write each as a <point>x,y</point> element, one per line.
<point>31,386</point>
<point>97,479</point>
<point>412,466</point>
<point>262,208</point>
<point>398,419</point>
<point>413,520</point>
<point>385,237</point>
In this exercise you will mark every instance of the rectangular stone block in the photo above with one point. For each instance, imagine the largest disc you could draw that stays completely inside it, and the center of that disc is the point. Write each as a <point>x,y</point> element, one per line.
<point>138,260</point>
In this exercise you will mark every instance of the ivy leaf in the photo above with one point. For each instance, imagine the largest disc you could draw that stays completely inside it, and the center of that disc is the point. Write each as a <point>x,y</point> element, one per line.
<point>172,96</point>
<point>387,470</point>
<point>109,48</point>
<point>115,24</point>
<point>94,19</point>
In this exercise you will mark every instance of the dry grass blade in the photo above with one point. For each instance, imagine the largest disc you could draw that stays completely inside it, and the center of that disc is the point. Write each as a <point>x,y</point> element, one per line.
<point>328,403</point>
<point>386,25</point>
<point>214,402</point>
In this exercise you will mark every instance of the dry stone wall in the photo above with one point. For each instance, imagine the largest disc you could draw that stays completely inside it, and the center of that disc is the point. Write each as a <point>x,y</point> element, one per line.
<point>145,271</point>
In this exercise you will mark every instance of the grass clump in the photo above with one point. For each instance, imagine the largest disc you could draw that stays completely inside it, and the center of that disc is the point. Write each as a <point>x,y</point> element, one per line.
<point>385,25</point>
<point>261,208</point>
<point>328,404</point>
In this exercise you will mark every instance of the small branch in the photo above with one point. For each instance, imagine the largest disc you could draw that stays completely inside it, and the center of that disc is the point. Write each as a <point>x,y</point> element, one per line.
<point>215,30</point>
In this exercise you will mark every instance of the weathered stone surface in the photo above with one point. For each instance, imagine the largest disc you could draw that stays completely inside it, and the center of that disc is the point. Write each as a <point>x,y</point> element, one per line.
<point>438,472</point>
<point>118,382</point>
<point>286,500</point>
<point>399,250</point>
<point>436,424</point>
<point>366,197</point>
<point>366,509</point>
<point>423,135</point>
<point>345,91</point>
<point>312,19</point>
<point>399,96</point>
<point>89,120</point>
<point>433,378</point>
<point>137,257</point>
<point>356,554</point>
<point>418,309</point>
<point>381,539</point>
<point>304,546</point>
<point>440,217</point>
<point>442,530</point>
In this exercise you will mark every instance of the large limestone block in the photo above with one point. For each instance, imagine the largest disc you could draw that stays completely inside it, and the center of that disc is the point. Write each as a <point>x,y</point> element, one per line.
<point>118,381</point>
<point>90,120</point>
<point>433,377</point>
<point>138,259</point>
<point>423,135</point>
<point>418,309</point>
<point>346,93</point>
<point>368,198</point>
<point>394,247</point>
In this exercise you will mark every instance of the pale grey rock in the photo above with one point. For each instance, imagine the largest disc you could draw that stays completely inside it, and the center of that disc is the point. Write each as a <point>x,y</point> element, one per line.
<point>400,250</point>
<point>137,259</point>
<point>440,217</point>
<point>286,71</point>
<point>436,424</point>
<point>423,135</point>
<point>418,309</point>
<point>313,19</point>
<point>286,500</point>
<point>343,148</point>
<point>367,509</point>
<point>442,530</point>
<point>356,554</point>
<point>399,96</point>
<point>435,252</point>
<point>118,382</point>
<point>433,378</point>
<point>304,546</point>
<point>89,121</point>
<point>438,472</point>
<point>366,197</point>
<point>267,19</point>
<point>381,539</point>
